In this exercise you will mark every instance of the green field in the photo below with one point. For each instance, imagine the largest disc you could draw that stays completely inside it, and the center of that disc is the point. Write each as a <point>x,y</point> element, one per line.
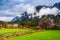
<point>2,31</point>
<point>10,33</point>
<point>44,35</point>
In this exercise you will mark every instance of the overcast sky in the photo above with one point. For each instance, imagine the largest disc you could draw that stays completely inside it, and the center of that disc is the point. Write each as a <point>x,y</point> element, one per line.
<point>12,8</point>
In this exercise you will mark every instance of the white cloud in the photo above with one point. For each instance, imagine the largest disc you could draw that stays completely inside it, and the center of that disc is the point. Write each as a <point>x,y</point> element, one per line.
<point>45,11</point>
<point>15,11</point>
<point>7,19</point>
<point>8,12</point>
<point>19,0</point>
<point>45,2</point>
<point>30,9</point>
<point>19,8</point>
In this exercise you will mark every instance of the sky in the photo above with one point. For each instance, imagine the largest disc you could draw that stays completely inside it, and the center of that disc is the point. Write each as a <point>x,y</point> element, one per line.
<point>12,8</point>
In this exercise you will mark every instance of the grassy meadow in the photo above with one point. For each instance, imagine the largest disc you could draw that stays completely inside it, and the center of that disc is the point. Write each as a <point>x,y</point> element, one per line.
<point>44,35</point>
<point>10,33</point>
<point>29,34</point>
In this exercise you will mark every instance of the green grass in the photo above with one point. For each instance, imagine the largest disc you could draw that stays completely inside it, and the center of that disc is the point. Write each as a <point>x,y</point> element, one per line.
<point>8,33</point>
<point>44,35</point>
<point>8,30</point>
<point>2,31</point>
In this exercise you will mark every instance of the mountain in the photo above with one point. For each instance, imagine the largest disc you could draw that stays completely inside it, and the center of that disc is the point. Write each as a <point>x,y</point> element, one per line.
<point>25,15</point>
<point>57,5</point>
<point>22,18</point>
<point>16,19</point>
<point>41,6</point>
